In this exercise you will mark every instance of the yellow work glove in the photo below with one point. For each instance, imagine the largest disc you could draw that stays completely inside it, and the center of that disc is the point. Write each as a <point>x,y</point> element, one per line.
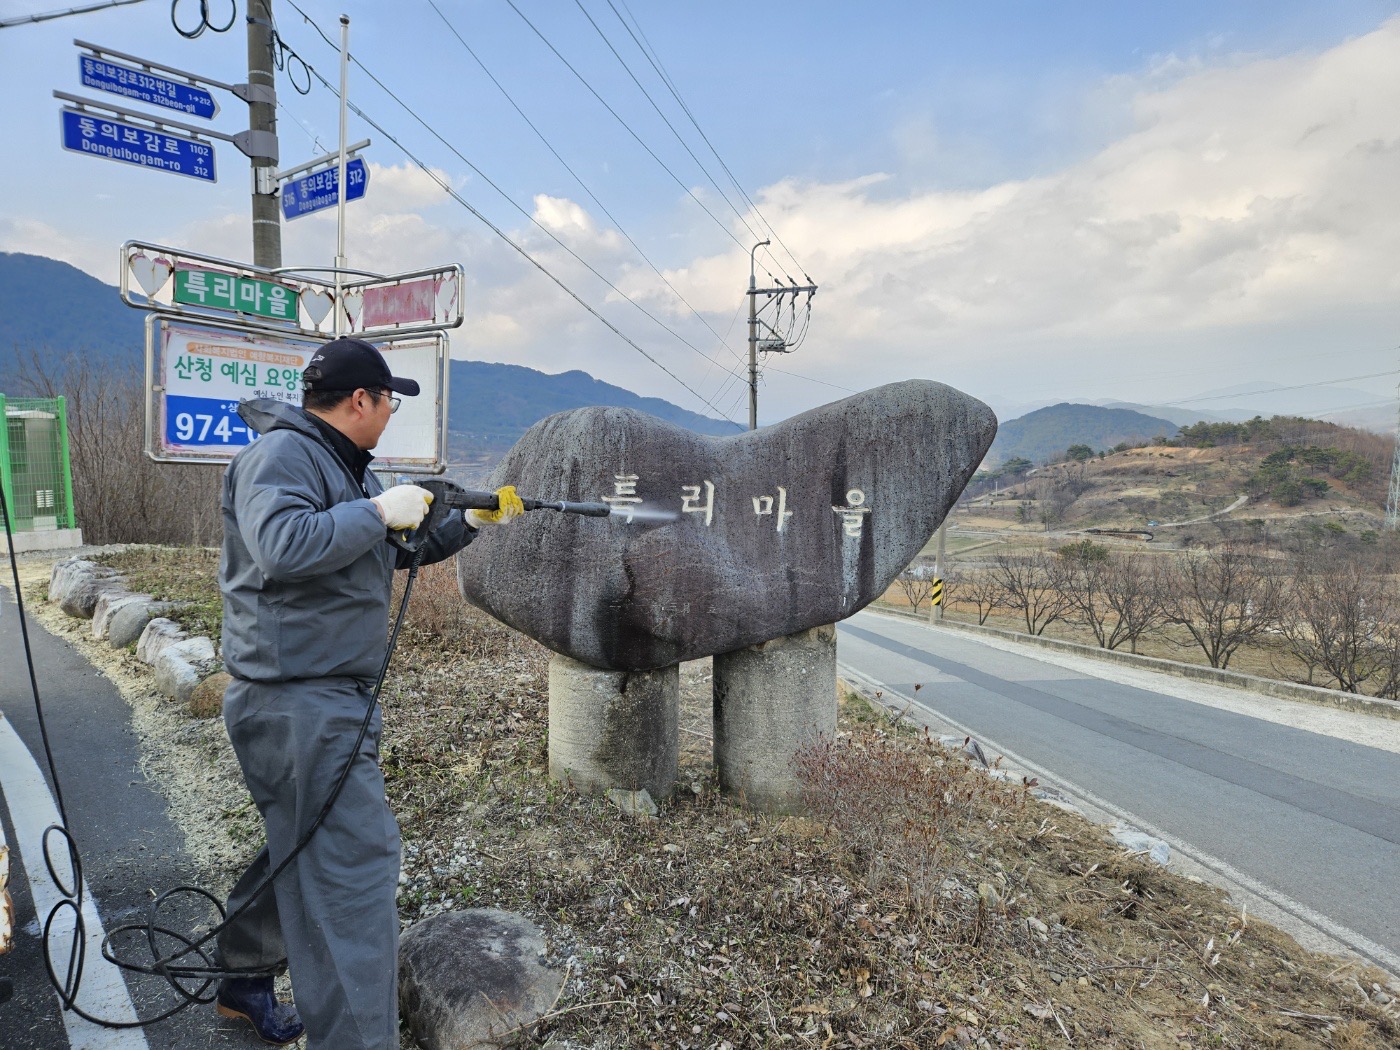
<point>508,507</point>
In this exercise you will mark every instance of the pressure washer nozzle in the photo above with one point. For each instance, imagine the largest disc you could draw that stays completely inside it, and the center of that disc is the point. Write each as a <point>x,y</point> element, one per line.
<point>590,510</point>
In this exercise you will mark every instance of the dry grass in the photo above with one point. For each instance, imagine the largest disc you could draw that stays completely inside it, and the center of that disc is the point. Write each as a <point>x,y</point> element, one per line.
<point>188,575</point>
<point>923,904</point>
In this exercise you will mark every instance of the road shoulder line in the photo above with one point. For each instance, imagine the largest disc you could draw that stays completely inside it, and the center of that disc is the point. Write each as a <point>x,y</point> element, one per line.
<point>32,809</point>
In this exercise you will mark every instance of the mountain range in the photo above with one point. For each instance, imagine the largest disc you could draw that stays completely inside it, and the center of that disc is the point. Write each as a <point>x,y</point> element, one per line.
<point>1046,433</point>
<point>51,308</point>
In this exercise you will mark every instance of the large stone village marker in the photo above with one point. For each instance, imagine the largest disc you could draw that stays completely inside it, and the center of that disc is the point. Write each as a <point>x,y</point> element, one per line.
<point>745,548</point>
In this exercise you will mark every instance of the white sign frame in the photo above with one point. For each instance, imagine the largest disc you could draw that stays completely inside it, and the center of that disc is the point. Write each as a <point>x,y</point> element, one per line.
<point>177,378</point>
<point>438,293</point>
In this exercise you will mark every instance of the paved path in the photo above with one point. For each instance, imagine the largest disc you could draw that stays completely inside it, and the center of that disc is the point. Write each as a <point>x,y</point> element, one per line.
<point>1294,808</point>
<point>127,842</point>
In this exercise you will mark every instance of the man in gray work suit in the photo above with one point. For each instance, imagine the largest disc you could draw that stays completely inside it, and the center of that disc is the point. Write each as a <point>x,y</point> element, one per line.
<point>306,576</point>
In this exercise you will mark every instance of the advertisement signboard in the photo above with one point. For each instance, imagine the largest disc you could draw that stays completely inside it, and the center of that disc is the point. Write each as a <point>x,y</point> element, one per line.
<point>197,373</point>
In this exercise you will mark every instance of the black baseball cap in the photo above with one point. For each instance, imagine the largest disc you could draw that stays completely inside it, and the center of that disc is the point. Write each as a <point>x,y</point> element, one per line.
<point>349,364</point>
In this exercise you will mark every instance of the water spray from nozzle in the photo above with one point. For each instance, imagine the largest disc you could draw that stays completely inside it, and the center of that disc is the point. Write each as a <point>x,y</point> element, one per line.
<point>648,515</point>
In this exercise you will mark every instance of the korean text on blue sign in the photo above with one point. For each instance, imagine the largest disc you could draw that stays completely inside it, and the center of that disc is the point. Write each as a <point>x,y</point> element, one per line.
<point>321,189</point>
<point>147,87</point>
<point>101,136</point>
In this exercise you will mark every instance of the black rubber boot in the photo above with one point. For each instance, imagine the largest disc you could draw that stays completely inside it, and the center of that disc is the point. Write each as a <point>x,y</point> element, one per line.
<point>253,1000</point>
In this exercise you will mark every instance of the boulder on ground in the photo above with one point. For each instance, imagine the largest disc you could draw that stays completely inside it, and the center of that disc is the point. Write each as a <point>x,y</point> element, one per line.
<point>207,700</point>
<point>474,978</point>
<point>76,584</point>
<point>158,634</point>
<point>180,665</point>
<point>130,620</point>
<point>108,605</point>
<point>1137,841</point>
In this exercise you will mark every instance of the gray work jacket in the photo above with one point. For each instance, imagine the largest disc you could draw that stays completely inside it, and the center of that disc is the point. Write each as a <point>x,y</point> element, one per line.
<point>306,571</point>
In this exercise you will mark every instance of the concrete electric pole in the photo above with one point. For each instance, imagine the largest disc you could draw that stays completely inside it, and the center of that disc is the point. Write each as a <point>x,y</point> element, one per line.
<point>754,293</point>
<point>262,116</point>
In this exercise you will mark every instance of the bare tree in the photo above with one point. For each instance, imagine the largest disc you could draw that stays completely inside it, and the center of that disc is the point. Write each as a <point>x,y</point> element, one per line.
<point>1223,597</point>
<point>1056,493</point>
<point>1330,619</point>
<point>119,494</point>
<point>982,591</point>
<point>1083,575</point>
<point>953,586</point>
<point>1035,586</point>
<point>917,584</point>
<point>1386,649</point>
<point>1134,590</point>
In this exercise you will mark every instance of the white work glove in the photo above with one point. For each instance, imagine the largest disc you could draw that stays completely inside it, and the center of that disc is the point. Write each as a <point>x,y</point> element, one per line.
<point>403,506</point>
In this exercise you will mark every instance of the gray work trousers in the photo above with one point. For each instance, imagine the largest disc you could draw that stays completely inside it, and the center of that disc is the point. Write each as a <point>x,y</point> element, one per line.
<point>332,913</point>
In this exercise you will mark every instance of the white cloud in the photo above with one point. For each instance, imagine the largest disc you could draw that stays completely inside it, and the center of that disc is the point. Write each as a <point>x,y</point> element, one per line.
<point>32,237</point>
<point>1243,210</point>
<point>1243,197</point>
<point>409,186</point>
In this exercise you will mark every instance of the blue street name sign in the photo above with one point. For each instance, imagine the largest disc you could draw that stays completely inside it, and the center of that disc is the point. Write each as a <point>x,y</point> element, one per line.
<point>147,87</point>
<point>321,189</point>
<point>102,136</point>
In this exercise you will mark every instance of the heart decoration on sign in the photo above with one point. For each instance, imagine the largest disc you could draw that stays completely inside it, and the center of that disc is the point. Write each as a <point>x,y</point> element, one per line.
<point>446,299</point>
<point>717,543</point>
<point>354,304</point>
<point>151,274</point>
<point>317,305</point>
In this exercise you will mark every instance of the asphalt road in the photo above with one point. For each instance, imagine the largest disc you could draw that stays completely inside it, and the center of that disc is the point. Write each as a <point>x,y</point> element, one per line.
<point>129,847</point>
<point>1303,823</point>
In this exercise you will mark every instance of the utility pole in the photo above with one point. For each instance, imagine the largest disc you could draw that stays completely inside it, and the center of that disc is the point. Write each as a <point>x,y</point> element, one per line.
<point>262,116</point>
<point>753,339</point>
<point>754,293</point>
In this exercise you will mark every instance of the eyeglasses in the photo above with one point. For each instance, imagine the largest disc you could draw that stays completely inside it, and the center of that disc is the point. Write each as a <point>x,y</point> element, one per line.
<point>394,402</point>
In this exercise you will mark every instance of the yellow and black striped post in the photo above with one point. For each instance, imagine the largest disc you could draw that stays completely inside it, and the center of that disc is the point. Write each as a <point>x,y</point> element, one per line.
<point>935,599</point>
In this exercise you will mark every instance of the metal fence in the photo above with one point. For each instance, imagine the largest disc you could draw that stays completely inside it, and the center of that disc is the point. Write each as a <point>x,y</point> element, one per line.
<point>34,465</point>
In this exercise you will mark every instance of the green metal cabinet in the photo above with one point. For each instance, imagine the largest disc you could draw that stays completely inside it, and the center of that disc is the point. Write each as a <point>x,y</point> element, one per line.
<point>34,466</point>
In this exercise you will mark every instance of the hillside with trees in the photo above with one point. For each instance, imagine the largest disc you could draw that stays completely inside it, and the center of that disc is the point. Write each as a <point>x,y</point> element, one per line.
<point>1259,546</point>
<point>1276,476</point>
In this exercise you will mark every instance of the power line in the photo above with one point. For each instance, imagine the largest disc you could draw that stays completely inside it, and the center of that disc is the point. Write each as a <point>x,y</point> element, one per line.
<point>648,52</point>
<point>652,153</point>
<point>666,120</point>
<point>1280,389</point>
<point>451,192</point>
<point>20,20</point>
<point>577,178</point>
<point>500,233</point>
<point>810,379</point>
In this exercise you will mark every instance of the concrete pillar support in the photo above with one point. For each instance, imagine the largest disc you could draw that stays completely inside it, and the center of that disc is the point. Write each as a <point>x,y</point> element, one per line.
<point>613,729</point>
<point>769,700</point>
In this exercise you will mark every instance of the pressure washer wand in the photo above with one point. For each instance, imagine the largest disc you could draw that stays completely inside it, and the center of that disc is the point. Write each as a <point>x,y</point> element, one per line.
<point>454,496</point>
<point>448,496</point>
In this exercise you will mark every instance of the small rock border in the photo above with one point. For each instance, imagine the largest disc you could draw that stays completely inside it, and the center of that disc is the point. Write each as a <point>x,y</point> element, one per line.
<point>187,669</point>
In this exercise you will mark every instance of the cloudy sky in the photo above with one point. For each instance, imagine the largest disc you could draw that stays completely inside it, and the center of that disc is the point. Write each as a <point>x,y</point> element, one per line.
<point>1032,202</point>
